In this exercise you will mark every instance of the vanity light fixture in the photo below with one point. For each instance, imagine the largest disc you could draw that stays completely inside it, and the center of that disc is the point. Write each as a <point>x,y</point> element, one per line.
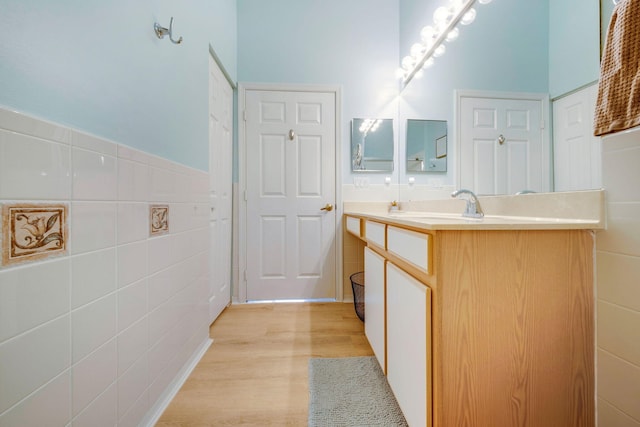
<point>444,28</point>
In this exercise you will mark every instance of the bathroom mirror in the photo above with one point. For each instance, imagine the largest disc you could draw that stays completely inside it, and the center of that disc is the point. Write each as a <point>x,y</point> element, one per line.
<point>372,145</point>
<point>426,146</point>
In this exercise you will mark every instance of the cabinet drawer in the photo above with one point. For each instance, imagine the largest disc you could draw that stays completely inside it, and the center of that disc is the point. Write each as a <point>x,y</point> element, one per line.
<point>375,233</point>
<point>410,246</point>
<point>353,225</point>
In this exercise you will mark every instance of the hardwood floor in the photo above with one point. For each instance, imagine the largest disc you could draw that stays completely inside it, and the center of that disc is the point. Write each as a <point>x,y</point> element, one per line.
<point>255,372</point>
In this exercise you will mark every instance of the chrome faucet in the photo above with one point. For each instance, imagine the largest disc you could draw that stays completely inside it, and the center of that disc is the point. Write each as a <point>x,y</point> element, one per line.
<point>473,209</point>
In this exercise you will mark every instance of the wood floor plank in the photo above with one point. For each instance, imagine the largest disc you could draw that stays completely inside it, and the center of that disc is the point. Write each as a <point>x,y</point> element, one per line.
<point>256,371</point>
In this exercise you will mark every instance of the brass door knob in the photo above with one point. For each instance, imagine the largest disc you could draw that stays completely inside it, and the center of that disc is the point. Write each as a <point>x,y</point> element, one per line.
<point>328,207</point>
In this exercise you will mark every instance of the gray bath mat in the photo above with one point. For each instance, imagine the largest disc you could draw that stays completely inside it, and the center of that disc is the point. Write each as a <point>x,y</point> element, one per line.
<point>351,391</point>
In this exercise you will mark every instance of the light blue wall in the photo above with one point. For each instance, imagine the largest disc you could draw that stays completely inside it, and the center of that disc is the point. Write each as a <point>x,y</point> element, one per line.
<point>574,44</point>
<point>504,49</point>
<point>352,43</point>
<point>98,67</point>
<point>606,10</point>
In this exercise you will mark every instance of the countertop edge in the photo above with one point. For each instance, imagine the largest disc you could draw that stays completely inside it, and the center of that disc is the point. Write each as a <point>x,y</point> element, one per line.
<point>489,223</point>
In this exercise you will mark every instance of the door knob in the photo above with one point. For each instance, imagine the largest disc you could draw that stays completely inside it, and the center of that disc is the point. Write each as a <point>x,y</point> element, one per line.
<point>501,139</point>
<point>328,207</point>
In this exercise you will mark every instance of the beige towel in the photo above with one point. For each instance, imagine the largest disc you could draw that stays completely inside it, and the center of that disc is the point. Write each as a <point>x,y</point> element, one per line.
<point>618,105</point>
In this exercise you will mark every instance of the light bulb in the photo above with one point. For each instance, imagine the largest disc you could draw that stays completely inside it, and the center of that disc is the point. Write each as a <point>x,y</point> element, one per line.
<point>419,74</point>
<point>400,73</point>
<point>484,1</point>
<point>456,5</point>
<point>417,50</point>
<point>408,62</point>
<point>440,50</point>
<point>439,29</point>
<point>468,17</point>
<point>428,63</point>
<point>442,15</point>
<point>453,35</point>
<point>428,34</point>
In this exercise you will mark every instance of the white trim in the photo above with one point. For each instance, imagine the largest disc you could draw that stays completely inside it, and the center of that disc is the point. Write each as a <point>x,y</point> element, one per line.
<point>242,194</point>
<point>242,179</point>
<point>170,392</point>
<point>545,114</point>
<point>578,89</point>
<point>218,61</point>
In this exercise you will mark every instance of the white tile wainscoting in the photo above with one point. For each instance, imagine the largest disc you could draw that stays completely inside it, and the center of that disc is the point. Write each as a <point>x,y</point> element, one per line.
<point>618,290</point>
<point>105,332</point>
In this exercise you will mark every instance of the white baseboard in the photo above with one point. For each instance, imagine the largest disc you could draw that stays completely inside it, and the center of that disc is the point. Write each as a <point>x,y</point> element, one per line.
<point>156,411</point>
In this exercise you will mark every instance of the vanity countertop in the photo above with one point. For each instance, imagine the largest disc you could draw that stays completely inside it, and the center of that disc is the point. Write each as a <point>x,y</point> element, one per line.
<point>543,211</point>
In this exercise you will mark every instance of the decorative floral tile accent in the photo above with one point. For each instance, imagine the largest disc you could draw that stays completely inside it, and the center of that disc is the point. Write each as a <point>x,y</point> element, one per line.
<point>33,231</point>
<point>158,219</point>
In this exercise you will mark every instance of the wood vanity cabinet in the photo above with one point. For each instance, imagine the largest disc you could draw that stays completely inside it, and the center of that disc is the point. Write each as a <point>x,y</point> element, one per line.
<point>492,328</point>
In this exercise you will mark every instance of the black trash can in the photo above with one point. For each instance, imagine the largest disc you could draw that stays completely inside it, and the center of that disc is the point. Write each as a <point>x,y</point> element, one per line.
<point>357,284</point>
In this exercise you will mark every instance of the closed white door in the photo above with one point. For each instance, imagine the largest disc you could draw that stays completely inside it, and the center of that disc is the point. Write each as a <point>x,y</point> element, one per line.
<point>290,195</point>
<point>503,149</point>
<point>220,189</point>
<point>576,151</point>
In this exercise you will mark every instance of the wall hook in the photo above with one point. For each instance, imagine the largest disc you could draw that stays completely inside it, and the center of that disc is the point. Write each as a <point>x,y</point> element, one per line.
<point>162,31</point>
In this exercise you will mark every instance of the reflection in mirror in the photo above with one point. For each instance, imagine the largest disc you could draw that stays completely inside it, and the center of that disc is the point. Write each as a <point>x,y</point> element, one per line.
<point>426,146</point>
<point>372,145</point>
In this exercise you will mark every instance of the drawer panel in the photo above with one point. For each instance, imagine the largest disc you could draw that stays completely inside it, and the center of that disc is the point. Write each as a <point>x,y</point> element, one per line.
<point>375,233</point>
<point>410,246</point>
<point>353,225</point>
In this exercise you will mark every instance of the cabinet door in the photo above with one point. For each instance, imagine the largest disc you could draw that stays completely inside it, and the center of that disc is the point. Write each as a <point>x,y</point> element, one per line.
<point>374,317</point>
<point>409,345</point>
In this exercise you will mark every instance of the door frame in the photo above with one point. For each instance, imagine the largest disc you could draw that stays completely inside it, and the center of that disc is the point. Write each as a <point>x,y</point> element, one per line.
<point>546,128</point>
<point>242,176</point>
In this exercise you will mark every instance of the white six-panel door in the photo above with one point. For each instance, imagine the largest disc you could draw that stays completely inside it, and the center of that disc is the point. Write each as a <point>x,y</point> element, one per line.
<point>290,178</point>
<point>220,189</point>
<point>503,149</point>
